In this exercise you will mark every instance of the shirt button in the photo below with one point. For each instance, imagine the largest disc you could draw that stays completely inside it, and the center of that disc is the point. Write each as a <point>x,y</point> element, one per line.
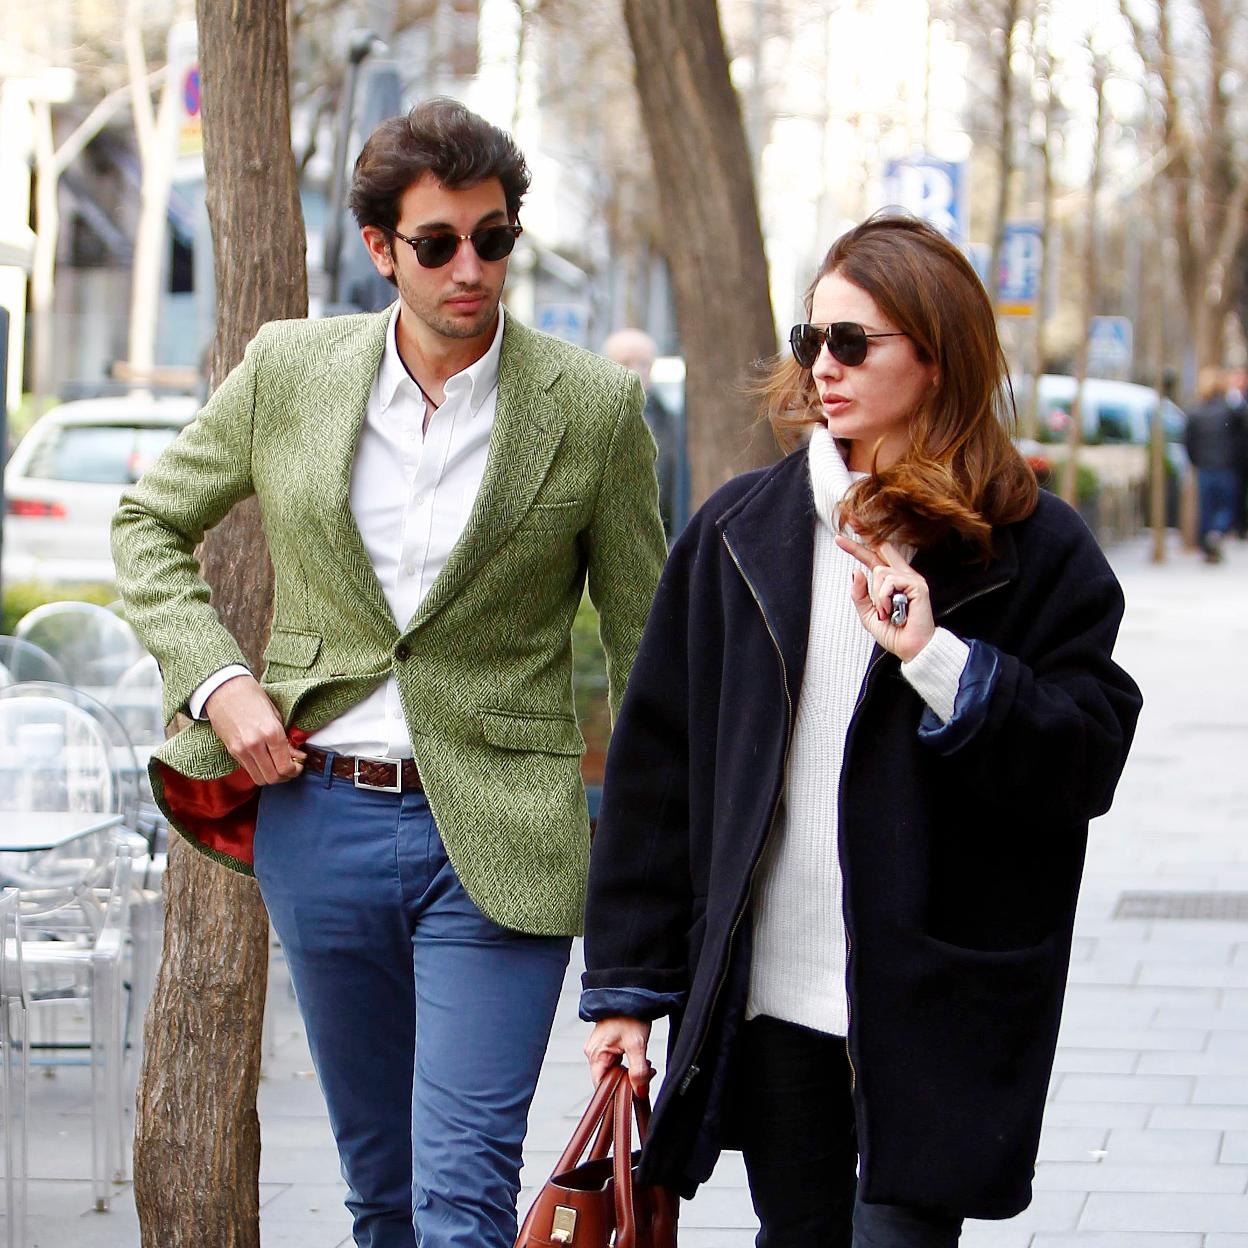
<point>419,500</point>
<point>409,569</point>
<point>402,652</point>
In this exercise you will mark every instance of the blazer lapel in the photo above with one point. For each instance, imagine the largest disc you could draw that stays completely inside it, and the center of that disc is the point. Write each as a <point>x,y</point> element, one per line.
<point>528,427</point>
<point>345,383</point>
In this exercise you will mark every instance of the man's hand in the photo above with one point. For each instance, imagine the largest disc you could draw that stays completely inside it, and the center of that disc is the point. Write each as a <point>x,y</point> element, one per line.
<point>613,1038</point>
<point>245,719</point>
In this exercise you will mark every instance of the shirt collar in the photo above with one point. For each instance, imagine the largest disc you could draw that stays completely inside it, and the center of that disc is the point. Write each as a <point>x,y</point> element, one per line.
<point>479,378</point>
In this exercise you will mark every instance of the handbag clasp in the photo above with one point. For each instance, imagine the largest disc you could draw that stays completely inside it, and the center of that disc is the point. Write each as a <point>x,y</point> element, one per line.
<point>563,1225</point>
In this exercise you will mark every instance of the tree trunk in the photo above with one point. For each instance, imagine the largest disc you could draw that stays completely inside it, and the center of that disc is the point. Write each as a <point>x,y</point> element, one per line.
<point>1091,278</point>
<point>1031,417</point>
<point>197,1140</point>
<point>714,242</point>
<point>1005,148</point>
<point>43,266</point>
<point>154,130</point>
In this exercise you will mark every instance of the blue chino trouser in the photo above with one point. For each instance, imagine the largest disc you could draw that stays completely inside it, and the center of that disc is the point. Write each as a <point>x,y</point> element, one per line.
<point>427,1021</point>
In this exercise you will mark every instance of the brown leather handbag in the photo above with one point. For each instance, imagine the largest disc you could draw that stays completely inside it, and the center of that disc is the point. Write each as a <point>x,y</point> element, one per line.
<point>598,1203</point>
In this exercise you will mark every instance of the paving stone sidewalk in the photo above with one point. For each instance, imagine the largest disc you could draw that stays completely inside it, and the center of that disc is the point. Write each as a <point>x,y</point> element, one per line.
<point>1146,1138</point>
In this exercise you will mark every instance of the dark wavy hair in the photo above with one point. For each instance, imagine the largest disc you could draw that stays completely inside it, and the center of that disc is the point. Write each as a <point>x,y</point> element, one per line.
<point>961,473</point>
<point>438,136</point>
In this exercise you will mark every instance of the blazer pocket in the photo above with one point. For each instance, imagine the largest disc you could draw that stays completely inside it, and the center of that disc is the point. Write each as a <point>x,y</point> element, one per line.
<point>532,731</point>
<point>562,514</point>
<point>289,647</point>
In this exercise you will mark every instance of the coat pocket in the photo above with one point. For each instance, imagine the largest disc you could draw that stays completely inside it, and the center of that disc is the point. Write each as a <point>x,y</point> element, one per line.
<point>291,647</point>
<point>542,732</point>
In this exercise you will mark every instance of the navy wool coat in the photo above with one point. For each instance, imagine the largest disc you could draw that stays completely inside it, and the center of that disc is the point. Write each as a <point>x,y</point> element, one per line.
<point>961,845</point>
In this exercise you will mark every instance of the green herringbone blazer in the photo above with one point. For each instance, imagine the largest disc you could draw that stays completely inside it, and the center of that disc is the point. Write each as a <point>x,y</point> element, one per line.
<point>569,494</point>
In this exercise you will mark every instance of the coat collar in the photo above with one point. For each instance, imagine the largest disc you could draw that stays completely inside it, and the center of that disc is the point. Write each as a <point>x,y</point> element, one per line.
<point>770,533</point>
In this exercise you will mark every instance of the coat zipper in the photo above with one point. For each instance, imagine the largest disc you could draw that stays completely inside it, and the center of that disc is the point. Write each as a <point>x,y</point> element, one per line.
<point>849,940</point>
<point>693,1070</point>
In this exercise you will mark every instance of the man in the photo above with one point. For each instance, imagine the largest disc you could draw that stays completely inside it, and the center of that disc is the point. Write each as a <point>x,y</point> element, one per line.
<point>1214,438</point>
<point>635,349</point>
<point>1237,400</point>
<point>437,483</point>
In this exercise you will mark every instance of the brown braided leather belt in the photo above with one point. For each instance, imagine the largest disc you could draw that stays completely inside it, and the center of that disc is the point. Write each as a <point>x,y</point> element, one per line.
<point>385,775</point>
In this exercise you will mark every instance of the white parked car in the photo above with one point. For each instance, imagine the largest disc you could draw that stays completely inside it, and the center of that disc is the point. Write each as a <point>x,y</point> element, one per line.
<point>1113,411</point>
<point>66,476</point>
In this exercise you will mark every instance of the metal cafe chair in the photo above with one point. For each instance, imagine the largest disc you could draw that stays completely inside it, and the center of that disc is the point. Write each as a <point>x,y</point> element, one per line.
<point>14,1070</point>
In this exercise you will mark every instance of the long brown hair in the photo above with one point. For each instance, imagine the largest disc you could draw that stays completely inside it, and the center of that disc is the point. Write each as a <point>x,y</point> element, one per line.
<point>961,473</point>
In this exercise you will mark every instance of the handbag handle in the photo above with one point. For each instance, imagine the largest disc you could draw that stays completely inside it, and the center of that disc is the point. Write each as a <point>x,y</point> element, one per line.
<point>661,1207</point>
<point>622,1163</point>
<point>597,1110</point>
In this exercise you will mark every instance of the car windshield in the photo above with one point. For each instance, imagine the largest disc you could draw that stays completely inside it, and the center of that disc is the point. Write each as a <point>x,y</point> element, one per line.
<point>104,454</point>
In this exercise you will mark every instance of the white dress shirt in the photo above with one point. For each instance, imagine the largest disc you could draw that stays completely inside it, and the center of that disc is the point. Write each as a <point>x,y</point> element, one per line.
<point>411,495</point>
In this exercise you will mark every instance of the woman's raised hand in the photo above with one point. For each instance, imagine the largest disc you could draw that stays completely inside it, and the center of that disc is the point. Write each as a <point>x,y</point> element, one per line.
<point>616,1038</point>
<point>884,573</point>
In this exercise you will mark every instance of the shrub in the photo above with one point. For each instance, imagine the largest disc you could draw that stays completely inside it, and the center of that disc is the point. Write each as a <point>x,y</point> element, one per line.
<point>22,597</point>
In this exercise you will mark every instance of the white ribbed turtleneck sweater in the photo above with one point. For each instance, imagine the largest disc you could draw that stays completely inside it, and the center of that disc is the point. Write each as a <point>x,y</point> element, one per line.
<point>797,970</point>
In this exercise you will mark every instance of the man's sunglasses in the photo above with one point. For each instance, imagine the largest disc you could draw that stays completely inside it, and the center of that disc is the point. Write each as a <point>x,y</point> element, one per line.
<point>493,242</point>
<point>846,340</point>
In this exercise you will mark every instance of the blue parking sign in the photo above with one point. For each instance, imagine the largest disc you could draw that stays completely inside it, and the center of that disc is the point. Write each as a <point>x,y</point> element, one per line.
<point>934,190</point>
<point>1022,254</point>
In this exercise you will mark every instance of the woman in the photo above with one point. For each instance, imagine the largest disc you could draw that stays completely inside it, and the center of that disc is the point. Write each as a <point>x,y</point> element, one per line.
<point>841,848</point>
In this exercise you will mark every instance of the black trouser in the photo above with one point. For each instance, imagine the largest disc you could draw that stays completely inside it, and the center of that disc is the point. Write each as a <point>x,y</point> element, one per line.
<point>792,1091</point>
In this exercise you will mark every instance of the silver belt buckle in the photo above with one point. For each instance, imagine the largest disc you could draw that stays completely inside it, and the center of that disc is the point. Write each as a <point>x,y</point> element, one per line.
<point>396,763</point>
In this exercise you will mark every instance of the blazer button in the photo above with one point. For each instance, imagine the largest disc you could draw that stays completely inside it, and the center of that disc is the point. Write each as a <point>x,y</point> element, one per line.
<point>402,652</point>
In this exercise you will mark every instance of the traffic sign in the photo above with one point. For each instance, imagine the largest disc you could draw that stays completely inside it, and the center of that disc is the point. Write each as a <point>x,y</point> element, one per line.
<point>569,321</point>
<point>1110,344</point>
<point>1018,280</point>
<point>934,190</point>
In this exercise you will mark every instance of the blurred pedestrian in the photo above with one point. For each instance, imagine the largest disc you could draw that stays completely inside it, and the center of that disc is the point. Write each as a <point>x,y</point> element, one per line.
<point>847,799</point>
<point>635,349</point>
<point>1237,398</point>
<point>438,483</point>
<point>1215,437</point>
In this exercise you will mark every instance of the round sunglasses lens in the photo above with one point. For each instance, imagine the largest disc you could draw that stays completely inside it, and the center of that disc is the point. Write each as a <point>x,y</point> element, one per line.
<point>848,343</point>
<point>435,250</point>
<point>494,243</point>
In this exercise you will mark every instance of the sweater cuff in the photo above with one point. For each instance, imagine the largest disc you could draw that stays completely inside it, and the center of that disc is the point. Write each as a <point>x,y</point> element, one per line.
<point>934,673</point>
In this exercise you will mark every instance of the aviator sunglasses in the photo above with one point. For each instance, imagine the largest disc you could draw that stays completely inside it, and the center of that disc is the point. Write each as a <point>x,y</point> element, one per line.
<point>847,341</point>
<point>493,242</point>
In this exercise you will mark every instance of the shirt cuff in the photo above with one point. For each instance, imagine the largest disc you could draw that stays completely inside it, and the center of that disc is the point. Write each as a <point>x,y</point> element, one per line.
<point>195,703</point>
<point>934,673</point>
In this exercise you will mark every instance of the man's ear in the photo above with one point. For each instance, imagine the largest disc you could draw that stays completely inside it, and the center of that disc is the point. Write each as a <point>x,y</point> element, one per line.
<point>378,243</point>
